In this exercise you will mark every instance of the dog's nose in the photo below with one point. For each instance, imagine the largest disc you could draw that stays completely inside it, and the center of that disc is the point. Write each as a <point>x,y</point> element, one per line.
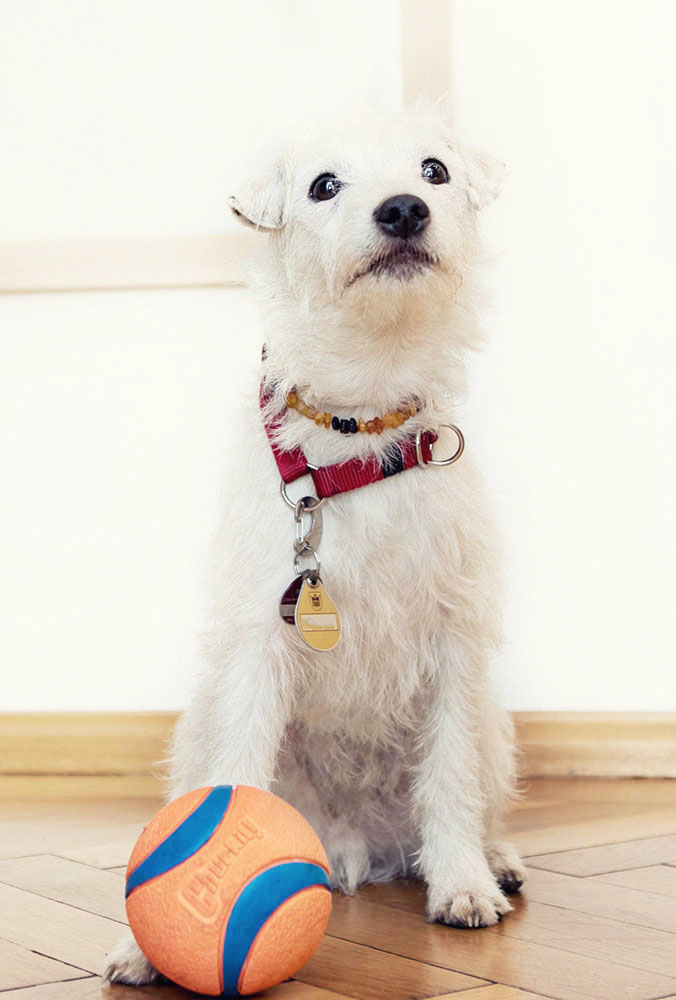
<point>402,216</point>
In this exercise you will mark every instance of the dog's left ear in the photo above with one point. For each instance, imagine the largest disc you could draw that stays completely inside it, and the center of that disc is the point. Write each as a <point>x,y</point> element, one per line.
<point>487,178</point>
<point>261,202</point>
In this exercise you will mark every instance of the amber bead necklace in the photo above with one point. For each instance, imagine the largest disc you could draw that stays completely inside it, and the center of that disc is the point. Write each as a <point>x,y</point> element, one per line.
<point>393,418</point>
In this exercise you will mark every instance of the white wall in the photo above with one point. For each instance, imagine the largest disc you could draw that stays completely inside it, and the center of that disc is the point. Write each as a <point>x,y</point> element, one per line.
<point>113,406</point>
<point>113,409</point>
<point>130,117</point>
<point>573,407</point>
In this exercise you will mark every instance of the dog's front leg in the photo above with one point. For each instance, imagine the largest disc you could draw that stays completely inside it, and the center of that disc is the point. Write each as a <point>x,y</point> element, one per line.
<point>461,891</point>
<point>230,734</point>
<point>232,731</point>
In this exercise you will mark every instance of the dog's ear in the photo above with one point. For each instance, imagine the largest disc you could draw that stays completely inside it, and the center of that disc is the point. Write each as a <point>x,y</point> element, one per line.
<point>487,178</point>
<point>261,202</point>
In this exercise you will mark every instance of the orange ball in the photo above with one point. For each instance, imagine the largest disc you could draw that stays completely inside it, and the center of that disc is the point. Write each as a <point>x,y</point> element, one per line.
<point>228,890</point>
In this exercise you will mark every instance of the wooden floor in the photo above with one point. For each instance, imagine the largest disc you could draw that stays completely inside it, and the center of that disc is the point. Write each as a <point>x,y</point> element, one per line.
<point>597,917</point>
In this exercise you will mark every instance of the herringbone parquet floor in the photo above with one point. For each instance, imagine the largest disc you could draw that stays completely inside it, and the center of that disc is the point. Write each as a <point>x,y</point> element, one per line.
<point>597,918</point>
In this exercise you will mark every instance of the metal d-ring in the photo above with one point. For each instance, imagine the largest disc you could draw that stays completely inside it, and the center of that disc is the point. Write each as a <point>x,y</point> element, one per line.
<point>444,461</point>
<point>314,505</point>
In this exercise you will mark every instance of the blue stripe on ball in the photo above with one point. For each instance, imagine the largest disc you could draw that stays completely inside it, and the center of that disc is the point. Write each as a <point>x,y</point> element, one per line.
<point>185,840</point>
<point>258,901</point>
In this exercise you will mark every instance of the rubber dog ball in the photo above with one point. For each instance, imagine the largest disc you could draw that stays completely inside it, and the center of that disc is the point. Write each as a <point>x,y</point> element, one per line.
<point>228,890</point>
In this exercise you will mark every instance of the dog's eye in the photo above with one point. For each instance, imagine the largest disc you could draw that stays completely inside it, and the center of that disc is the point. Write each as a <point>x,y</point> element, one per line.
<point>435,172</point>
<point>324,187</point>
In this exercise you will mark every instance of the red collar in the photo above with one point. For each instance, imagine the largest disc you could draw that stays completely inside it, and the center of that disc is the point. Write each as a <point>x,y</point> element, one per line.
<point>344,476</point>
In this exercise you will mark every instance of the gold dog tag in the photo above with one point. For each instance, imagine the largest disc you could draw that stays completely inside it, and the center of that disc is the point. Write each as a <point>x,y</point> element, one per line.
<point>316,616</point>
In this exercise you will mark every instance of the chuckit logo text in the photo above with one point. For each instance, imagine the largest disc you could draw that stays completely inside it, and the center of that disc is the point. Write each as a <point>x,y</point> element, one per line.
<point>201,895</point>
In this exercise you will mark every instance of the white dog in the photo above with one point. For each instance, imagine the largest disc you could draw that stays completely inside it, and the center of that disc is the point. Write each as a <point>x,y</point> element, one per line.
<point>390,744</point>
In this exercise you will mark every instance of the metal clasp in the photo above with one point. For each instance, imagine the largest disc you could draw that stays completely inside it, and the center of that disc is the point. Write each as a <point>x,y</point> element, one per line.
<point>444,461</point>
<point>305,507</point>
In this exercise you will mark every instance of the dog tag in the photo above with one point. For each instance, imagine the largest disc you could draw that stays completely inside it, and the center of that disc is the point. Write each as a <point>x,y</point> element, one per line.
<point>316,617</point>
<point>287,605</point>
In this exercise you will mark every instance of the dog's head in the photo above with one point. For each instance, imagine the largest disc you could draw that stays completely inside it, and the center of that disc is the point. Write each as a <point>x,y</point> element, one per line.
<point>375,210</point>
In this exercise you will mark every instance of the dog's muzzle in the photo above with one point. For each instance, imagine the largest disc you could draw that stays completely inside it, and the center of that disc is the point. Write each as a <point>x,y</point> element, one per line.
<point>405,260</point>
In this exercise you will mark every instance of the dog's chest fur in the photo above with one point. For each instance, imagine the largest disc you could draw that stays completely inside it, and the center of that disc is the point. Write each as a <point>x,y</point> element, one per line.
<point>407,561</point>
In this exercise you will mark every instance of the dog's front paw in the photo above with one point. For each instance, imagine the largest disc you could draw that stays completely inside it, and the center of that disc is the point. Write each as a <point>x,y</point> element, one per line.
<point>127,964</point>
<point>506,866</point>
<point>349,860</point>
<point>468,908</point>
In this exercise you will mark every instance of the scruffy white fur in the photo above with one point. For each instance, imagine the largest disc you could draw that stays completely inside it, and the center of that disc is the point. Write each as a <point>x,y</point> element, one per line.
<point>391,745</point>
